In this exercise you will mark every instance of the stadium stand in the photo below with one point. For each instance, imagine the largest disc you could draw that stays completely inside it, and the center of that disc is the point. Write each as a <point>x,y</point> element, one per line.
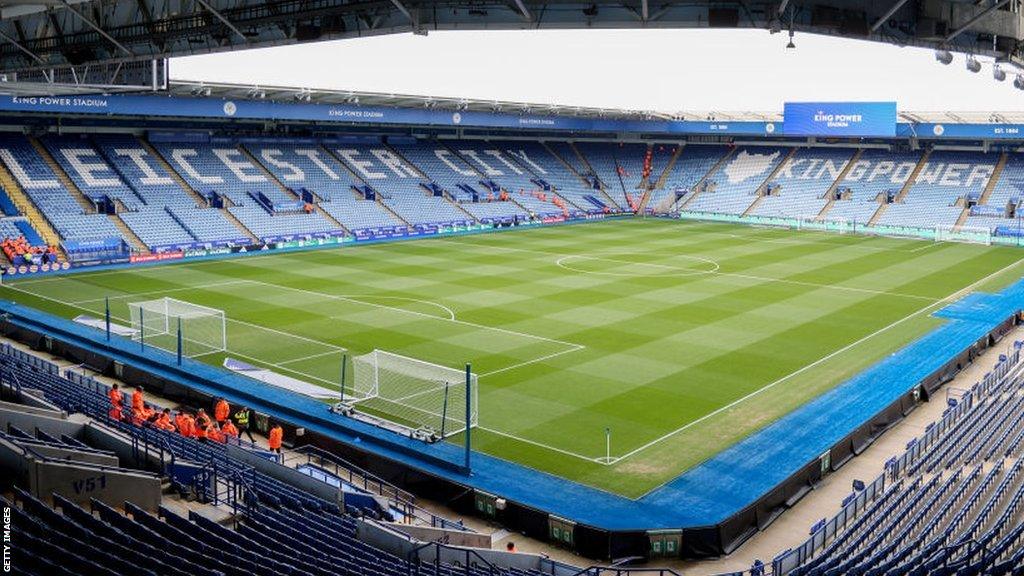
<point>552,174</point>
<point>89,171</point>
<point>175,190</point>
<point>402,187</point>
<point>444,167</point>
<point>303,164</point>
<point>357,214</point>
<point>104,533</point>
<point>875,175</point>
<point>207,225</point>
<point>221,167</point>
<point>619,167</point>
<point>733,187</point>
<point>145,174</point>
<point>158,228</point>
<point>938,193</point>
<point>1000,208</point>
<point>36,177</point>
<point>693,164</point>
<point>800,186</point>
<point>271,227</point>
<point>953,503</point>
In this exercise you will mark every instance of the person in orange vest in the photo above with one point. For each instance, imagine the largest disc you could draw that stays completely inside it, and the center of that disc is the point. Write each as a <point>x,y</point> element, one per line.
<point>179,422</point>
<point>138,400</point>
<point>187,427</point>
<point>116,403</point>
<point>140,412</point>
<point>163,421</point>
<point>511,547</point>
<point>116,398</point>
<point>275,437</point>
<point>228,430</point>
<point>202,424</point>
<point>213,433</point>
<point>221,410</point>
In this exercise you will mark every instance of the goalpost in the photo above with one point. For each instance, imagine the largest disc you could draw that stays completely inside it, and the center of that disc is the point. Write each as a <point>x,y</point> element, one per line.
<point>157,323</point>
<point>838,224</point>
<point>971,234</point>
<point>413,392</point>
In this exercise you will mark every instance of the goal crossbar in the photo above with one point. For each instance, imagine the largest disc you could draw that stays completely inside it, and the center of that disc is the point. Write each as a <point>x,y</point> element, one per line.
<point>203,330</point>
<point>414,392</point>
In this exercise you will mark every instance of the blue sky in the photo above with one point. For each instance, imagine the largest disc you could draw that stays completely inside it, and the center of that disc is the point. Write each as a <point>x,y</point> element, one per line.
<point>662,70</point>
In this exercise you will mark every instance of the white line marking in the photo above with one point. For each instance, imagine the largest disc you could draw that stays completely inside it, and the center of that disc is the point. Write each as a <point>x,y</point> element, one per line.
<point>451,314</point>
<point>310,357</point>
<point>528,362</point>
<point>679,271</point>
<point>925,247</point>
<point>953,296</point>
<point>279,367</point>
<point>413,312</point>
<point>541,445</point>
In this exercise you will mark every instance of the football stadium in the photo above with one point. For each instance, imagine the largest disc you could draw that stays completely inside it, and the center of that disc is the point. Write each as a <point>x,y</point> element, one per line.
<point>259,330</point>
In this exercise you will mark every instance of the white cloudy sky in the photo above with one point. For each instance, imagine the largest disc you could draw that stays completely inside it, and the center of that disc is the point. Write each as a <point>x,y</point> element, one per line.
<point>663,70</point>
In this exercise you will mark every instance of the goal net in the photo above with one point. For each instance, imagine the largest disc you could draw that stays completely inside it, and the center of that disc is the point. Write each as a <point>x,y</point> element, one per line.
<point>413,393</point>
<point>838,225</point>
<point>971,234</point>
<point>157,322</point>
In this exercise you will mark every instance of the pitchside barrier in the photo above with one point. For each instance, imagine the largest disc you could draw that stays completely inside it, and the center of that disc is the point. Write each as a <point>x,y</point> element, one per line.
<point>966,234</point>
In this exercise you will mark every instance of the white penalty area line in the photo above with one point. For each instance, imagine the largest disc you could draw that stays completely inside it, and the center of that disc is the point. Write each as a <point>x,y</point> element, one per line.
<point>576,348</point>
<point>597,460</point>
<point>311,356</point>
<point>825,358</point>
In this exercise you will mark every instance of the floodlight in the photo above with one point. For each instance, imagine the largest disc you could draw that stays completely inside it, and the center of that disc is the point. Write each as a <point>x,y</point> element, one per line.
<point>973,65</point>
<point>998,73</point>
<point>944,56</point>
<point>1018,82</point>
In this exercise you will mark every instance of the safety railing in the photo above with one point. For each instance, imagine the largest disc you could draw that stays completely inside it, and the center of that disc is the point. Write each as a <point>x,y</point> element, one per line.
<point>825,531</point>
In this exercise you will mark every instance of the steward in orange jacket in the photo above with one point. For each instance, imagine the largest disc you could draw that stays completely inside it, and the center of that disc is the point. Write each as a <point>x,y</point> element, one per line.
<point>163,421</point>
<point>116,398</point>
<point>275,437</point>
<point>221,410</point>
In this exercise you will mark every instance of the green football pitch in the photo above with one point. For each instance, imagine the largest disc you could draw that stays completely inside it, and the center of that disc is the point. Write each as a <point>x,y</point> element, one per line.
<point>679,338</point>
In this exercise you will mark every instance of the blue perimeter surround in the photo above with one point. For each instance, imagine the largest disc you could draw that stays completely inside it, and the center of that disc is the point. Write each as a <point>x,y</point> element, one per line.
<point>705,495</point>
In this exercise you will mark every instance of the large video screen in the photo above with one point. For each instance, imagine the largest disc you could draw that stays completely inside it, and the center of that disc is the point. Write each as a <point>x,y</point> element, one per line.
<point>839,119</point>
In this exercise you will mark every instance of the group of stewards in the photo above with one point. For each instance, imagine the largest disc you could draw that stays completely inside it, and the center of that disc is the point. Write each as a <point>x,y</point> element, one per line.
<point>222,426</point>
<point>19,251</point>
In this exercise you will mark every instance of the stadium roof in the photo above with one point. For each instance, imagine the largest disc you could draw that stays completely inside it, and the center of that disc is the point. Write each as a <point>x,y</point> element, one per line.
<point>95,41</point>
<point>295,94</point>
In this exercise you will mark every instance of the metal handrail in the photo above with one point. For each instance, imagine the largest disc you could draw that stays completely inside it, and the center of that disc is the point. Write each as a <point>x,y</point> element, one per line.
<point>468,566</point>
